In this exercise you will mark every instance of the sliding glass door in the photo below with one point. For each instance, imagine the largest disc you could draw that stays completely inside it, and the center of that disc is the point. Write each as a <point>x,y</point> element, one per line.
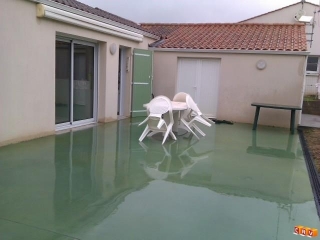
<point>83,82</point>
<point>75,83</point>
<point>63,81</point>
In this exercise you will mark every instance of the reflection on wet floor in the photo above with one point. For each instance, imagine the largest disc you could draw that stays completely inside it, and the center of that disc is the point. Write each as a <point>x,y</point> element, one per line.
<point>101,183</point>
<point>272,152</point>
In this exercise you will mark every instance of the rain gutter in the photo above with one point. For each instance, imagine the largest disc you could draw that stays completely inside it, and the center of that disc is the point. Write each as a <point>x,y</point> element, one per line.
<point>231,51</point>
<point>94,17</point>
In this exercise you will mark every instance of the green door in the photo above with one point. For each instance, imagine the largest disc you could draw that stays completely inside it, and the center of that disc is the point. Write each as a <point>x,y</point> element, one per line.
<point>141,81</point>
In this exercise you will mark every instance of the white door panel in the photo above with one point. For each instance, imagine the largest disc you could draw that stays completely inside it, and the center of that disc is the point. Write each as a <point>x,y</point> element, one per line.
<point>200,79</point>
<point>208,88</point>
<point>187,76</point>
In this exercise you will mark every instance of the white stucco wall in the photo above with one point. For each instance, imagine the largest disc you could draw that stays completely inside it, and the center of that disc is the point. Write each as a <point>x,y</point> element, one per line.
<point>27,60</point>
<point>241,83</point>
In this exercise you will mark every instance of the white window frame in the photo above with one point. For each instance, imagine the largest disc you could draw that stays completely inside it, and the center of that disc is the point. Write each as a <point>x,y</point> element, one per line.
<point>318,67</point>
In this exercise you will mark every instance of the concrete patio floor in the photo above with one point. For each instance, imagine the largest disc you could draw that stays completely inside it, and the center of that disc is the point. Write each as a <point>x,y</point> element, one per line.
<point>101,183</point>
<point>308,120</point>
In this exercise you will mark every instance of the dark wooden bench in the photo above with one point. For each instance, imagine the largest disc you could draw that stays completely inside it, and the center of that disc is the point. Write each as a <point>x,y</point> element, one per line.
<point>275,106</point>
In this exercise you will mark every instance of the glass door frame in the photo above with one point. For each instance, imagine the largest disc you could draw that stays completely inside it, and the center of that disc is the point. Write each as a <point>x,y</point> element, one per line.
<point>71,123</point>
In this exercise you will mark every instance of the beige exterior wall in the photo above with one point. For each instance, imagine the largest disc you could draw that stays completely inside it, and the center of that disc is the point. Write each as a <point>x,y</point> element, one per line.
<point>27,92</point>
<point>241,83</point>
<point>286,15</point>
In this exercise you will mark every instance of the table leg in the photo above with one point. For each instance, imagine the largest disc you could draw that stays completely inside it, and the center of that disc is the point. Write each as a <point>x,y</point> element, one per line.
<point>176,119</point>
<point>290,143</point>
<point>254,139</point>
<point>292,121</point>
<point>256,118</point>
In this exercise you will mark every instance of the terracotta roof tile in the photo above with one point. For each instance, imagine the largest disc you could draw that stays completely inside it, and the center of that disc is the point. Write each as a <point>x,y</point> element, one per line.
<point>236,36</point>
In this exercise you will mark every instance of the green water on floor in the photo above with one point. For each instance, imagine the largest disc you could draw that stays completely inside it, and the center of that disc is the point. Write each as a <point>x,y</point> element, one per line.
<point>101,183</point>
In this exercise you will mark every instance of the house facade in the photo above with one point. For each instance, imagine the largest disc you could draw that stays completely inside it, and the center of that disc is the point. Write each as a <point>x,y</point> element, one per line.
<point>226,67</point>
<point>65,64</point>
<point>291,14</point>
<point>61,66</point>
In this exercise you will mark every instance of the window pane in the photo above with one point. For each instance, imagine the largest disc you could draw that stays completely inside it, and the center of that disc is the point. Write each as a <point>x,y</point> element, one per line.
<point>83,85</point>
<point>312,67</point>
<point>312,64</point>
<point>312,59</point>
<point>63,72</point>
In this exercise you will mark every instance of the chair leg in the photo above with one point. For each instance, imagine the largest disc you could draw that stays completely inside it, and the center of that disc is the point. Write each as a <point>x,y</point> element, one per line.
<point>172,135</point>
<point>201,120</point>
<point>207,119</point>
<point>144,133</point>
<point>198,129</point>
<point>165,136</point>
<point>189,128</point>
<point>143,121</point>
<point>152,133</point>
<point>185,123</point>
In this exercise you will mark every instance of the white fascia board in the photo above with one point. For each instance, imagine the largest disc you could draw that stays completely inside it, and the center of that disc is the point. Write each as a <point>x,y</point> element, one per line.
<point>92,16</point>
<point>236,51</point>
<point>67,17</point>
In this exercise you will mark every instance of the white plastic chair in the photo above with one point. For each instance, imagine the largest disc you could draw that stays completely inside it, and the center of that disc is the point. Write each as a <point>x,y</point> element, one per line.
<point>194,115</point>
<point>180,97</point>
<point>155,122</point>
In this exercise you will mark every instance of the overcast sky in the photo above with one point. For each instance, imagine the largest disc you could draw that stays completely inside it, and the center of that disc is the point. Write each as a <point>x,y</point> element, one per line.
<point>189,11</point>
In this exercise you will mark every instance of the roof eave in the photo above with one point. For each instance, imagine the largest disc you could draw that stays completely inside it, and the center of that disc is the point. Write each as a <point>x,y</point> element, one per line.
<point>235,51</point>
<point>94,17</point>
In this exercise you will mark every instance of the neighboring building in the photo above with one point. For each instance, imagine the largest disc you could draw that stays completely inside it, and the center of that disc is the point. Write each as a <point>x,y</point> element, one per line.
<point>61,61</point>
<point>290,14</point>
<point>226,67</point>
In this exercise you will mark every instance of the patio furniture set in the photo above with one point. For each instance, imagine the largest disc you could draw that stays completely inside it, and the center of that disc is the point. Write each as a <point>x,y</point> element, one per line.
<point>165,115</point>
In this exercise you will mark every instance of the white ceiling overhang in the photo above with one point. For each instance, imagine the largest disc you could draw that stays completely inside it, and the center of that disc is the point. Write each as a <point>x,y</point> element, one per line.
<point>44,11</point>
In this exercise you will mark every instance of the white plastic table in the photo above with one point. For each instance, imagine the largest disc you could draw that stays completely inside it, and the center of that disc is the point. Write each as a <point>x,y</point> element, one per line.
<point>176,108</point>
<point>179,106</point>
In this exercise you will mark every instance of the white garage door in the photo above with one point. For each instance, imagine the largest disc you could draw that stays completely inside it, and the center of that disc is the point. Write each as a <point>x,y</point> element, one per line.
<point>200,79</point>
